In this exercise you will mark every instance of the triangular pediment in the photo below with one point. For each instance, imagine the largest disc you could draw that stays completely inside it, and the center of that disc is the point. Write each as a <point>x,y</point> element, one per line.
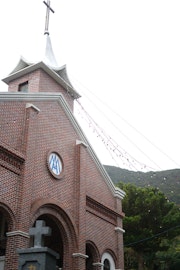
<point>30,97</point>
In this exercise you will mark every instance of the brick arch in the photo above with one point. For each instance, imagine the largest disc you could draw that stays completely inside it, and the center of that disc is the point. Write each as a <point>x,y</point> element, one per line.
<point>8,224</point>
<point>93,253</point>
<point>9,215</point>
<point>53,205</point>
<point>63,222</point>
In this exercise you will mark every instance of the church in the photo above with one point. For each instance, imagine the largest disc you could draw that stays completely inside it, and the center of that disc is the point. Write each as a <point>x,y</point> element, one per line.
<point>50,172</point>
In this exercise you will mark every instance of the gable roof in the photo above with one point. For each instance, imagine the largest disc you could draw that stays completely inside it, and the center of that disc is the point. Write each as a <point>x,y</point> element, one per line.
<point>30,97</point>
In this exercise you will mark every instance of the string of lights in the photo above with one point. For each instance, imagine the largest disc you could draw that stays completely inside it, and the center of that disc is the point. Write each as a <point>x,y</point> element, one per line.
<point>130,125</point>
<point>115,150</point>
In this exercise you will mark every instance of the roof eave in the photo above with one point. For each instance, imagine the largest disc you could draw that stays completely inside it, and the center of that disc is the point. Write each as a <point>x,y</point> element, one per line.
<point>49,71</point>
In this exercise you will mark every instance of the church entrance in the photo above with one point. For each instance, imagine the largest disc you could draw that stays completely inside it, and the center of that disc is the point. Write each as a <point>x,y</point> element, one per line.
<point>54,241</point>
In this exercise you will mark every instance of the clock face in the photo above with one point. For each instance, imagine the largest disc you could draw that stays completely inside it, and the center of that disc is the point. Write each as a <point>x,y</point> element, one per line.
<point>55,164</point>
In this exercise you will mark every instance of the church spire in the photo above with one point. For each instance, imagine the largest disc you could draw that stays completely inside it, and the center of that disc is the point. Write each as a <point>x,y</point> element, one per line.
<point>47,63</point>
<point>49,57</point>
<point>48,9</point>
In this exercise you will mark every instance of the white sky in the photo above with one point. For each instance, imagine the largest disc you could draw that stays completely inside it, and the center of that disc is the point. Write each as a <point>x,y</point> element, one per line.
<point>125,53</point>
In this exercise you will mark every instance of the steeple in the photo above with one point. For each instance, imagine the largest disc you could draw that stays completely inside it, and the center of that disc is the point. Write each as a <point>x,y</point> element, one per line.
<point>49,57</point>
<point>22,73</point>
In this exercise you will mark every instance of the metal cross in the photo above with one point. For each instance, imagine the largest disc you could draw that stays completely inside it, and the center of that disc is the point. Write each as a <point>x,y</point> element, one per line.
<point>38,232</point>
<point>47,16</point>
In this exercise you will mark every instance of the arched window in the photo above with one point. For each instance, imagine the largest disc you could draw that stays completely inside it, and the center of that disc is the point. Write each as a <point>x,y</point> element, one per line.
<point>107,265</point>
<point>93,256</point>
<point>107,261</point>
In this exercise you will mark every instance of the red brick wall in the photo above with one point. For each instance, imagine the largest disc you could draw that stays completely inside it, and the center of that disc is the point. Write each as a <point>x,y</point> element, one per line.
<point>47,84</point>
<point>96,186</point>
<point>12,123</point>
<point>39,81</point>
<point>9,188</point>
<point>11,262</point>
<point>36,134</point>
<point>102,233</point>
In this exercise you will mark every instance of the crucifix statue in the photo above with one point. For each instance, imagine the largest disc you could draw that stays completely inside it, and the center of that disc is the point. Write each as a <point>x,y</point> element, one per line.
<point>46,31</point>
<point>38,233</point>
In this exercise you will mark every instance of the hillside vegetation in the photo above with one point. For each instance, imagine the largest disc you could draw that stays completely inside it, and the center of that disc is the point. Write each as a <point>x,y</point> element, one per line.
<point>167,181</point>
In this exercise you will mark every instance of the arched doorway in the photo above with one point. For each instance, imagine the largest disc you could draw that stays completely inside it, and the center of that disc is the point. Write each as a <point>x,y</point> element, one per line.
<point>55,241</point>
<point>93,255</point>
<point>64,236</point>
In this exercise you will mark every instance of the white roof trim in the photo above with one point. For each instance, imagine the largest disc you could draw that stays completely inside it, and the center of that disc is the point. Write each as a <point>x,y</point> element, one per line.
<point>48,70</point>
<point>59,97</point>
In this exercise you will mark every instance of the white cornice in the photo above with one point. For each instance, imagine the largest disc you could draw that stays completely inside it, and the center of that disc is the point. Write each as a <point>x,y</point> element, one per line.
<point>120,230</point>
<point>80,255</point>
<point>60,99</point>
<point>48,70</point>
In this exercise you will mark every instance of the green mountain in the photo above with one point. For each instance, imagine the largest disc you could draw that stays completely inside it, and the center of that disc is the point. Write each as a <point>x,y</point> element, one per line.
<point>167,181</point>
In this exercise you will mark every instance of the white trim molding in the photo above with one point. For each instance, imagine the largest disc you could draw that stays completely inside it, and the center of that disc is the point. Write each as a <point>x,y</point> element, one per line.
<point>18,233</point>
<point>107,256</point>
<point>82,143</point>
<point>80,255</point>
<point>119,229</point>
<point>30,105</point>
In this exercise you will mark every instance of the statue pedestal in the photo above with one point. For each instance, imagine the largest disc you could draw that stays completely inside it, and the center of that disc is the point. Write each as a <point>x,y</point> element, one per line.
<point>41,258</point>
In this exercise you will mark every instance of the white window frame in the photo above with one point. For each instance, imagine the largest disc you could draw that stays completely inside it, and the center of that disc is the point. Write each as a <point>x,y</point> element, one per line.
<point>108,256</point>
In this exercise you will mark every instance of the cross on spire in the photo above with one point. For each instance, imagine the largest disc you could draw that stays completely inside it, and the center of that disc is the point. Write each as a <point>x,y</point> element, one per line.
<point>38,232</point>
<point>46,31</point>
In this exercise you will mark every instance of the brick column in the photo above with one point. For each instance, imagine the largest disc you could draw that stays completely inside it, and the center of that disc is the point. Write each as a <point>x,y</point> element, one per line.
<point>79,261</point>
<point>120,264</point>
<point>80,199</point>
<point>119,235</point>
<point>16,239</point>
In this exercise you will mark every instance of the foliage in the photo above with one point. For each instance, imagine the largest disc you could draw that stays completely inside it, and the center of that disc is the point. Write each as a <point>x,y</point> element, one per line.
<point>171,257</point>
<point>151,224</point>
<point>167,181</point>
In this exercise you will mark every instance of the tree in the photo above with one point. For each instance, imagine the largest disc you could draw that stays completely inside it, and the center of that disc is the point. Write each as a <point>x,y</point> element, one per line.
<point>150,218</point>
<point>170,257</point>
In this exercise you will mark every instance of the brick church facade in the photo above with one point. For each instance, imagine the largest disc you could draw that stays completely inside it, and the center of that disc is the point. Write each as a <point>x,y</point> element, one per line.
<point>49,172</point>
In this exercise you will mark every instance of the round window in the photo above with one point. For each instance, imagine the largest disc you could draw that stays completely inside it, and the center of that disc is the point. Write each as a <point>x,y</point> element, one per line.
<point>55,164</point>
